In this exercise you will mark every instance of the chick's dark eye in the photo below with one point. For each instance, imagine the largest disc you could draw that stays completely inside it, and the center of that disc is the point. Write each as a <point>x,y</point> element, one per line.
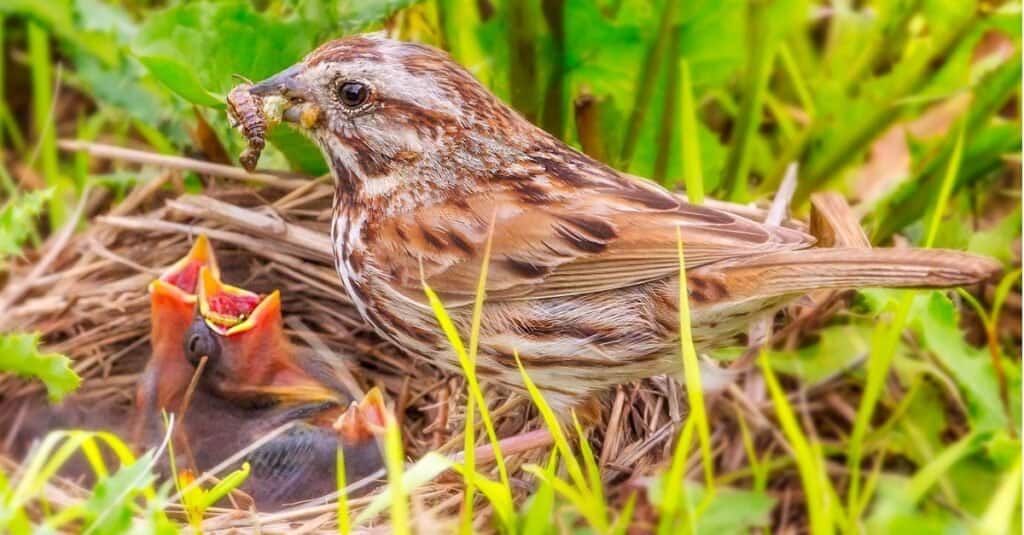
<point>353,94</point>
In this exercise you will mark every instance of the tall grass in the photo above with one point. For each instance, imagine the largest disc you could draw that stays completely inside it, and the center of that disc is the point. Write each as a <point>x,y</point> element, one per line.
<point>42,115</point>
<point>884,342</point>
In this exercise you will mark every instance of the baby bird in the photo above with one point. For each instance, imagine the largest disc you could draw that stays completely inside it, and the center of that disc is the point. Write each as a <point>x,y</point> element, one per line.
<point>252,382</point>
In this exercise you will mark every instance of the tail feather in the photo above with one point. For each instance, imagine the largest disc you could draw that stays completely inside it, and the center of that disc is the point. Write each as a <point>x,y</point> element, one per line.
<point>795,272</point>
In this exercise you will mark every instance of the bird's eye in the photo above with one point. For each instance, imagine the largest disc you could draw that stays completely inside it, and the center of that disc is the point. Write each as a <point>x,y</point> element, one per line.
<point>353,94</point>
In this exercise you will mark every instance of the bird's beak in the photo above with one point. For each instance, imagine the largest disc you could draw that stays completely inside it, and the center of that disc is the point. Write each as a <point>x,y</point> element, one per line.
<point>283,84</point>
<point>172,297</point>
<point>172,301</point>
<point>228,309</point>
<point>184,274</point>
<point>364,420</point>
<point>287,97</point>
<point>256,357</point>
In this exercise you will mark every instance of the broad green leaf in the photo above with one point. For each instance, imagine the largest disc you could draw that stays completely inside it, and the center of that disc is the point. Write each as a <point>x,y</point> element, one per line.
<point>300,152</point>
<point>731,510</point>
<point>837,349</point>
<point>110,506</point>
<point>195,48</point>
<point>934,320</point>
<point>993,242</point>
<point>357,15</point>
<point>19,353</point>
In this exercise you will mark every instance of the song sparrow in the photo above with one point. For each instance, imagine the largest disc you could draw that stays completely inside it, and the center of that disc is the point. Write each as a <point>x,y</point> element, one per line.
<point>582,275</point>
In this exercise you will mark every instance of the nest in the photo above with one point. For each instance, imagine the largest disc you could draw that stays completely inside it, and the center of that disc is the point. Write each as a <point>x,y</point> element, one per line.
<point>86,294</point>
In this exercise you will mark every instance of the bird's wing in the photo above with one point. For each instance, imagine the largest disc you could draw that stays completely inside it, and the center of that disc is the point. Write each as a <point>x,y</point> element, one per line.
<point>555,237</point>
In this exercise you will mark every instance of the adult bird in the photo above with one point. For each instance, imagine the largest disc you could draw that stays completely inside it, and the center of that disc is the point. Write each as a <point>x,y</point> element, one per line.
<point>429,168</point>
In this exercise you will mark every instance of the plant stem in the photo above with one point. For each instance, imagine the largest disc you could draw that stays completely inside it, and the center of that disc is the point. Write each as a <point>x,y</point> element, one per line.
<point>42,104</point>
<point>553,119</point>
<point>588,125</point>
<point>645,85</point>
<point>522,71</point>
<point>762,55</point>
<point>668,113</point>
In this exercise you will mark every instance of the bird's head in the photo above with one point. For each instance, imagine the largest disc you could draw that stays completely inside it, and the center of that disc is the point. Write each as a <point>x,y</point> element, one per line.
<point>249,356</point>
<point>172,299</point>
<point>391,116</point>
<point>364,420</point>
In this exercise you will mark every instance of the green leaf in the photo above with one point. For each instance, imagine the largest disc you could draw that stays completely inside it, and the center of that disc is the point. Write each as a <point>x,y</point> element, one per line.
<point>19,353</point>
<point>17,220</point>
<point>731,511</point>
<point>934,320</point>
<point>837,348</point>
<point>109,508</point>
<point>195,48</point>
<point>993,241</point>
<point>356,15</point>
<point>300,152</point>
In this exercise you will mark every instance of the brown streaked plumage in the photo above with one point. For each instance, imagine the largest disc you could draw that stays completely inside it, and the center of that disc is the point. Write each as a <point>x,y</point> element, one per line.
<point>583,272</point>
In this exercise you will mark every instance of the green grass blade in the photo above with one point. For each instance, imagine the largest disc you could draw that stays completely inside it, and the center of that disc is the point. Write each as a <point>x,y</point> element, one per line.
<point>467,359</point>
<point>344,523</point>
<point>580,500</point>
<point>229,483</point>
<point>761,57</point>
<point>886,340</point>
<point>646,83</point>
<point>495,493</point>
<point>537,517</point>
<point>757,467</point>
<point>691,369</point>
<point>469,464</point>
<point>675,487</point>
<point>572,465</point>
<point>925,478</point>
<point>395,460</point>
<point>420,473</point>
<point>597,498</point>
<point>42,116</point>
<point>999,515</point>
<point>693,171</point>
<point>789,64</point>
<point>948,180</point>
<point>812,472</point>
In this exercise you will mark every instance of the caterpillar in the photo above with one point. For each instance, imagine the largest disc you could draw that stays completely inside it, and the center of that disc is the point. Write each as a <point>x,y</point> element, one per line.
<point>245,111</point>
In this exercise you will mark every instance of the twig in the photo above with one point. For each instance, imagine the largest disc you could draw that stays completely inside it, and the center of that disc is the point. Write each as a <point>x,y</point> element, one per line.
<point>100,150</point>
